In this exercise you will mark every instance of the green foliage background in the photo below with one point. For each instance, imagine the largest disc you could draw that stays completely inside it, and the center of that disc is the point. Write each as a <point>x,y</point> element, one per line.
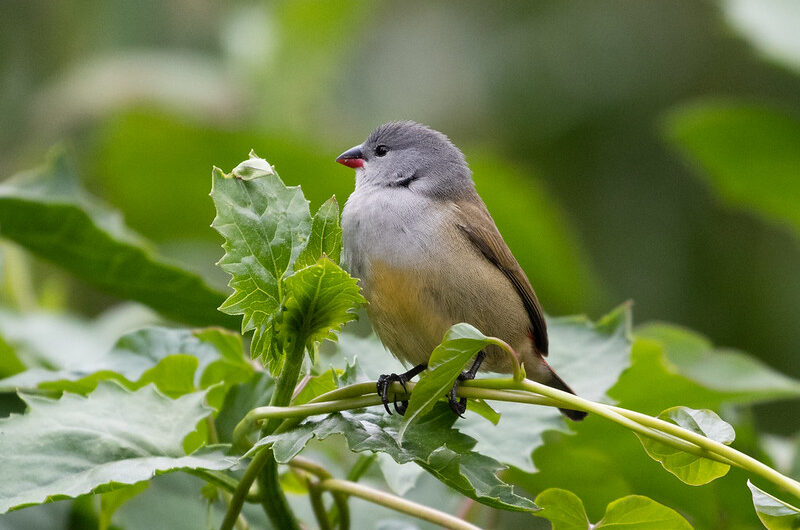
<point>644,151</point>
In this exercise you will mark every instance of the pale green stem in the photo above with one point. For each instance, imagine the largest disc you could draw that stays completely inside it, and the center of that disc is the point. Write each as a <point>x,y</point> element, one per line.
<point>379,497</point>
<point>396,503</point>
<point>468,389</point>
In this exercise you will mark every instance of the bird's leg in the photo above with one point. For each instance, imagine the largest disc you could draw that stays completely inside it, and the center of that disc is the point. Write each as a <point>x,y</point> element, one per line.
<point>386,380</point>
<point>460,406</point>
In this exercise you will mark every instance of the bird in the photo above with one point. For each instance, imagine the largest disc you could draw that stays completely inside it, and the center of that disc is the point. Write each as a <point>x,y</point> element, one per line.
<point>428,255</point>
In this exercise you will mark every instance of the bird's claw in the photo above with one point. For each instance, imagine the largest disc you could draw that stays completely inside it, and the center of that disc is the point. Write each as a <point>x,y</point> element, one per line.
<point>458,406</point>
<point>384,382</point>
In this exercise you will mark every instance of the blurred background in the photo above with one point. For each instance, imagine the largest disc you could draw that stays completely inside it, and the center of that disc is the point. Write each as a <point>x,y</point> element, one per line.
<point>627,150</point>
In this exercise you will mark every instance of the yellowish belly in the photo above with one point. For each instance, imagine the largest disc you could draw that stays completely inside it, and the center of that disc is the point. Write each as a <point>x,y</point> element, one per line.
<point>402,312</point>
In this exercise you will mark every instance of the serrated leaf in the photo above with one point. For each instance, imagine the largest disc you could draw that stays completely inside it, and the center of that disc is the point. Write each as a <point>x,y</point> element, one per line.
<point>319,300</point>
<point>642,513</point>
<point>773,512</point>
<point>46,212</point>
<point>435,446</point>
<point>460,344</point>
<point>265,225</point>
<point>563,509</point>
<point>689,468</point>
<point>76,445</point>
<point>178,361</point>
<point>326,236</point>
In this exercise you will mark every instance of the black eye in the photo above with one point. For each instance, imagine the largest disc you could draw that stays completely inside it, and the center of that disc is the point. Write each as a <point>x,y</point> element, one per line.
<point>381,150</point>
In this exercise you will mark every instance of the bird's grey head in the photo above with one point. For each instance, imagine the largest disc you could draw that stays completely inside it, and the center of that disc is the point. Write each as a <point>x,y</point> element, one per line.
<point>408,155</point>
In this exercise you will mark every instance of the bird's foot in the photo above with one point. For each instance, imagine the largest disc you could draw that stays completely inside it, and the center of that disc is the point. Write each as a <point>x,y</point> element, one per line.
<point>459,406</point>
<point>385,381</point>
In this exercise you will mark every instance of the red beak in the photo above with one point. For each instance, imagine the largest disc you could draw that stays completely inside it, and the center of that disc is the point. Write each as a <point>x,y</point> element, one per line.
<point>353,157</point>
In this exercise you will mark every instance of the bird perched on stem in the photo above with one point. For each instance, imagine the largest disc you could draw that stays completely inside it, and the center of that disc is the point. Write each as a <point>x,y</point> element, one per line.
<point>428,255</point>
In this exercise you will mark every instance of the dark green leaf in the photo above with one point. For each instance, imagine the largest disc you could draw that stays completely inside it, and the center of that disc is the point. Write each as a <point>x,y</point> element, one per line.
<point>326,236</point>
<point>78,445</point>
<point>319,300</point>
<point>265,225</point>
<point>773,512</point>
<point>749,153</point>
<point>563,509</point>
<point>434,445</point>
<point>460,344</point>
<point>46,212</point>
<point>689,468</point>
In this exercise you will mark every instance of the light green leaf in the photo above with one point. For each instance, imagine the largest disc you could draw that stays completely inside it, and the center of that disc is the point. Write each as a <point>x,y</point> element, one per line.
<point>642,513</point>
<point>265,225</point>
<point>177,361</point>
<point>111,501</point>
<point>689,468</point>
<point>319,300</point>
<point>734,375</point>
<point>78,445</point>
<point>773,512</point>
<point>749,155</point>
<point>326,236</point>
<point>46,212</point>
<point>563,509</point>
<point>434,445</point>
<point>589,356</point>
<point>317,385</point>
<point>460,344</point>
<point>9,362</point>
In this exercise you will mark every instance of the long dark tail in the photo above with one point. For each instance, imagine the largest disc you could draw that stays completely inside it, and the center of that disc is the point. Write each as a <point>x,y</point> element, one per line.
<point>557,382</point>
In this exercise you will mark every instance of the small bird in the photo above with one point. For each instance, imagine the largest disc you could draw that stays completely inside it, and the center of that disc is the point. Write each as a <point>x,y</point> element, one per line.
<point>428,255</point>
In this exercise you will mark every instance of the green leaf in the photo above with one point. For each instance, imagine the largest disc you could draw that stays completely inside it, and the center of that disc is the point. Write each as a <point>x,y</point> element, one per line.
<point>460,344</point>
<point>589,356</point>
<point>317,385</point>
<point>265,225</point>
<point>111,501</point>
<point>689,468</point>
<point>434,445</point>
<point>733,375</point>
<point>773,512</point>
<point>563,509</point>
<point>642,513</point>
<point>319,300</point>
<point>749,155</point>
<point>77,445</point>
<point>9,362</point>
<point>45,211</point>
<point>177,361</point>
<point>326,236</point>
